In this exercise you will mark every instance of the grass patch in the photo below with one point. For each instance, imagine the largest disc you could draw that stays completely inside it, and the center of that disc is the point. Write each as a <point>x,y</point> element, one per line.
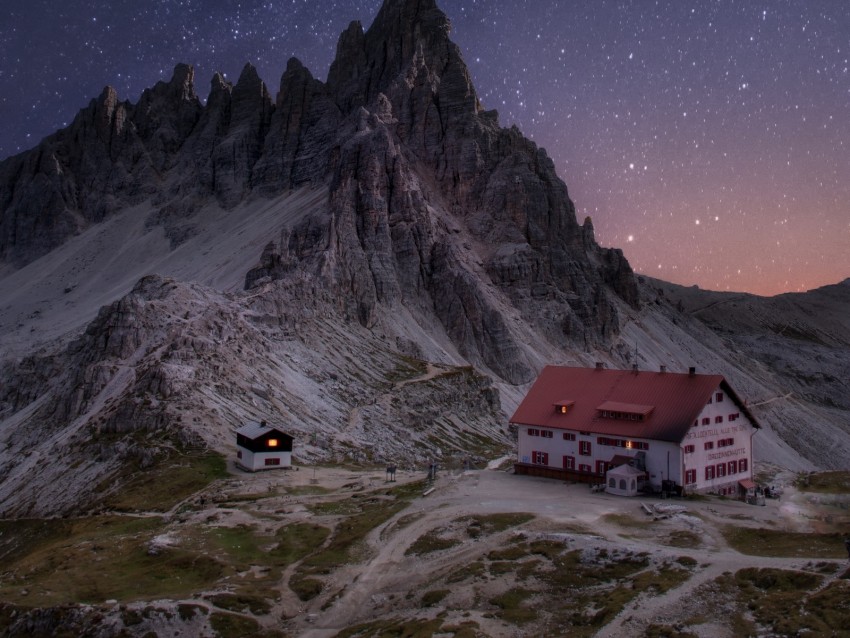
<point>684,539</point>
<point>666,631</point>
<point>511,607</point>
<point>55,559</point>
<point>241,603</point>
<point>430,542</point>
<point>394,628</point>
<point>784,602</point>
<point>169,481</point>
<point>469,571</point>
<point>768,542</point>
<point>434,597</point>
<point>298,540</point>
<point>366,513</point>
<point>233,626</point>
<point>494,523</point>
<point>824,482</point>
<point>305,587</point>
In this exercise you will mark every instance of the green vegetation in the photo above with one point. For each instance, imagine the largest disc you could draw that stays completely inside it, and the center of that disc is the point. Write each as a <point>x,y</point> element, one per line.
<point>581,590</point>
<point>683,538</point>
<point>768,542</point>
<point>233,626</point>
<point>433,597</point>
<point>784,602</point>
<point>414,628</point>
<point>406,368</point>
<point>429,542</point>
<point>494,523</point>
<point>665,631</point>
<point>511,606</point>
<point>365,513</point>
<point>171,480</point>
<point>241,603</point>
<point>824,482</point>
<point>54,560</point>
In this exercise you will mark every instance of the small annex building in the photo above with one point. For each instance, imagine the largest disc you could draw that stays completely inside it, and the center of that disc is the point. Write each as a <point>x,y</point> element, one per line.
<point>262,447</point>
<point>677,432</point>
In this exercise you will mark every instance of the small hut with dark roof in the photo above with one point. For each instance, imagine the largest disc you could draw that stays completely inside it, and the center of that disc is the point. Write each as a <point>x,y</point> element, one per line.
<point>262,447</point>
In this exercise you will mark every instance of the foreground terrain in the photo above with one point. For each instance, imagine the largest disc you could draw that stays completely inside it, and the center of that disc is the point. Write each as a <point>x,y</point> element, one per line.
<point>334,551</point>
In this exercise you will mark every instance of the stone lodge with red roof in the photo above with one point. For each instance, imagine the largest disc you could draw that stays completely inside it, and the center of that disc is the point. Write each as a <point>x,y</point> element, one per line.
<point>688,433</point>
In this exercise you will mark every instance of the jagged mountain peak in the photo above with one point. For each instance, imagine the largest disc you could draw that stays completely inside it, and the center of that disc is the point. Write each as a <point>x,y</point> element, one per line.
<point>431,205</point>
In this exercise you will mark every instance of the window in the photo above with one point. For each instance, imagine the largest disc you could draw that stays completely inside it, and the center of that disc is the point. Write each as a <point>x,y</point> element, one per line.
<point>584,468</point>
<point>709,473</point>
<point>709,445</point>
<point>733,417</point>
<point>238,454</point>
<point>637,445</point>
<point>720,470</point>
<point>726,442</point>
<point>706,420</point>
<point>540,458</point>
<point>272,461</point>
<point>690,477</point>
<point>718,397</point>
<point>733,467</point>
<point>569,462</point>
<point>601,467</point>
<point>273,443</point>
<point>612,482</point>
<point>742,465</point>
<point>709,400</point>
<point>546,434</point>
<point>533,432</point>
<point>696,423</point>
<point>569,436</point>
<point>585,433</point>
<point>718,419</point>
<point>689,449</point>
<point>584,448</point>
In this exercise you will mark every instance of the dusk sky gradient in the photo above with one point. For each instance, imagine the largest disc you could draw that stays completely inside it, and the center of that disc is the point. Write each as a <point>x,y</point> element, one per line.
<point>709,139</point>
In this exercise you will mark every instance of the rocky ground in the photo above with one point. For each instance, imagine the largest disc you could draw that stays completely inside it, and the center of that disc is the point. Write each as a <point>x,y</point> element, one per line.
<point>335,551</point>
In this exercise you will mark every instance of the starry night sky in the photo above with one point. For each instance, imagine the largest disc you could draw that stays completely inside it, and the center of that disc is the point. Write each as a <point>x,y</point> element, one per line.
<point>709,139</point>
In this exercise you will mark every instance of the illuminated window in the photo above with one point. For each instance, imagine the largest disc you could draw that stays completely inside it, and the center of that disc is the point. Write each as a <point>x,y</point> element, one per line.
<point>273,443</point>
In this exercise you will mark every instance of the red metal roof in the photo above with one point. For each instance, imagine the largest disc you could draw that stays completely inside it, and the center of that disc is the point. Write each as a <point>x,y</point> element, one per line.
<point>676,399</point>
<point>628,408</point>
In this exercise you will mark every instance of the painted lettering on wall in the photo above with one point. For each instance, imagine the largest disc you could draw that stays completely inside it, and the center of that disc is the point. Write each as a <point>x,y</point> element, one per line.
<point>727,453</point>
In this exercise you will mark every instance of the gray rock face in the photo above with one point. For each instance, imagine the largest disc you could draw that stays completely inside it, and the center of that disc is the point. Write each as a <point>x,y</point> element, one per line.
<point>432,204</point>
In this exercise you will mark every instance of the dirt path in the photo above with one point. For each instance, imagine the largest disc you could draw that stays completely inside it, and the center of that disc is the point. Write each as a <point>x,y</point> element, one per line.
<point>389,582</point>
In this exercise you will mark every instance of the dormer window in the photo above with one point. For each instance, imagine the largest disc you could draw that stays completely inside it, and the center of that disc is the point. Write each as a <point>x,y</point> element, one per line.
<point>273,443</point>
<point>624,411</point>
<point>563,407</point>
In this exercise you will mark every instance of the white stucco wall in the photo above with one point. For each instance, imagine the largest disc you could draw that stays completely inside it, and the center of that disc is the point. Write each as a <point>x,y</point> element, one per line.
<point>255,461</point>
<point>741,430</point>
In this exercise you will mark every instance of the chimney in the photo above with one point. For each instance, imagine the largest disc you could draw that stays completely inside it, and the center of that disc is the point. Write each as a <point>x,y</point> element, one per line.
<point>692,372</point>
<point>663,368</point>
<point>600,365</point>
